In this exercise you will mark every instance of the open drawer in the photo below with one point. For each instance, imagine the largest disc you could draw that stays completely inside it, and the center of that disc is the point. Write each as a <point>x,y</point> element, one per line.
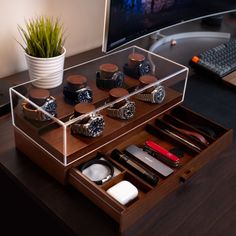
<point>192,154</point>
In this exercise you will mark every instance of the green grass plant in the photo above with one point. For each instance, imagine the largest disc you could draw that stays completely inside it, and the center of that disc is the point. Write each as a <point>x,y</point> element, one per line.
<point>43,37</point>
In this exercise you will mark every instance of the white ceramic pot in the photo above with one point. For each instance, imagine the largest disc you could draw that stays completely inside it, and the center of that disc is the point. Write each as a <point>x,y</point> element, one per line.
<point>46,72</point>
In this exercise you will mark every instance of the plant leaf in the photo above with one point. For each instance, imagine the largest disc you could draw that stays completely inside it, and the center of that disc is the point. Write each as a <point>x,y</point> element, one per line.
<point>43,37</point>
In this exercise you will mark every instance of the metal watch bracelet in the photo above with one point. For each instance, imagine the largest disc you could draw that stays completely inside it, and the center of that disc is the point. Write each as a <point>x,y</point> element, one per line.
<point>156,96</point>
<point>125,112</point>
<point>93,128</point>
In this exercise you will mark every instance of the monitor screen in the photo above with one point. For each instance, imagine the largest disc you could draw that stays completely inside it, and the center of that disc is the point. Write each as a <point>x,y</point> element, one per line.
<point>127,20</point>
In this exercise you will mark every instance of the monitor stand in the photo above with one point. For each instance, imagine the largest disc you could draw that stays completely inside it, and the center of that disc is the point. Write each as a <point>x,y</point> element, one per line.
<point>172,40</point>
<point>181,47</point>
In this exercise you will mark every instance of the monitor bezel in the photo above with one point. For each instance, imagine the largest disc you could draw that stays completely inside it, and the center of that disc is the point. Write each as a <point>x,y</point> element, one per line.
<point>105,48</point>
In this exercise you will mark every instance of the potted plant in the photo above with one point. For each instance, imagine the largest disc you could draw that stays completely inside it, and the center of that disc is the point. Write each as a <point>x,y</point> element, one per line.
<point>44,51</point>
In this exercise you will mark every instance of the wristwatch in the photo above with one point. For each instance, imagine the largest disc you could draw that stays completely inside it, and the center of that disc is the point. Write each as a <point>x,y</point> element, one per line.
<point>80,95</point>
<point>155,96</point>
<point>76,89</point>
<point>124,112</point>
<point>140,70</point>
<point>116,81</point>
<point>32,113</point>
<point>92,128</point>
<point>144,68</point>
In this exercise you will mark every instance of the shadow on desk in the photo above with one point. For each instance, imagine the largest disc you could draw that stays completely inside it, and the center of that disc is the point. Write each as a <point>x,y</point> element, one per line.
<point>35,204</point>
<point>19,213</point>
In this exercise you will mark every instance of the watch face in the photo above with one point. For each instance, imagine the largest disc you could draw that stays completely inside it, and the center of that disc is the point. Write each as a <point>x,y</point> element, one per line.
<point>85,96</point>
<point>50,106</point>
<point>96,126</point>
<point>119,79</point>
<point>129,110</point>
<point>159,94</point>
<point>144,68</point>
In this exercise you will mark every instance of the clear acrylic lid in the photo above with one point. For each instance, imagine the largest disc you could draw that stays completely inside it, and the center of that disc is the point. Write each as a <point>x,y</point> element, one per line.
<point>50,126</point>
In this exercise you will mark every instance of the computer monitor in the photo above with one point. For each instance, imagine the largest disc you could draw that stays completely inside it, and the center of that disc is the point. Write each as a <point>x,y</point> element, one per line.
<point>128,20</point>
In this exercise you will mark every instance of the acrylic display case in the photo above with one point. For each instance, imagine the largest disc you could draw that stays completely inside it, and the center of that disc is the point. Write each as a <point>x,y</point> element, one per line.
<point>54,135</point>
<point>51,144</point>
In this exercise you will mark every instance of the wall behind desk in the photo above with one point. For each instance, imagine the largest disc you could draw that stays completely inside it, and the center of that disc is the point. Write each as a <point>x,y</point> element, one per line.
<point>83,22</point>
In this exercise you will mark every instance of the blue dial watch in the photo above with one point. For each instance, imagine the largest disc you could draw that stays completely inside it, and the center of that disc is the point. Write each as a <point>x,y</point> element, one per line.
<point>32,113</point>
<point>92,128</point>
<point>157,95</point>
<point>116,81</point>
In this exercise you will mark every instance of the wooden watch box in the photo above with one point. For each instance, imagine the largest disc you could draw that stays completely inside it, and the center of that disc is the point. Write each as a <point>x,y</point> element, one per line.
<point>51,145</point>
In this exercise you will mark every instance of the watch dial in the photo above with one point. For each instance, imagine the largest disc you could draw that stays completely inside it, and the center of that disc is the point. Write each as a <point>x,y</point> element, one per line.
<point>85,96</point>
<point>119,80</point>
<point>144,68</point>
<point>96,126</point>
<point>50,106</point>
<point>159,94</point>
<point>129,110</point>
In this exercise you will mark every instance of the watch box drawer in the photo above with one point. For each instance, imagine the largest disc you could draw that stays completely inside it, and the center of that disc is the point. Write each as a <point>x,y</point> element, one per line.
<point>150,194</point>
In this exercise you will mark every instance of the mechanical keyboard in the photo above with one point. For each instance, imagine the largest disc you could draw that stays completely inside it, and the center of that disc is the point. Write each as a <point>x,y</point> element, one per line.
<point>219,61</point>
